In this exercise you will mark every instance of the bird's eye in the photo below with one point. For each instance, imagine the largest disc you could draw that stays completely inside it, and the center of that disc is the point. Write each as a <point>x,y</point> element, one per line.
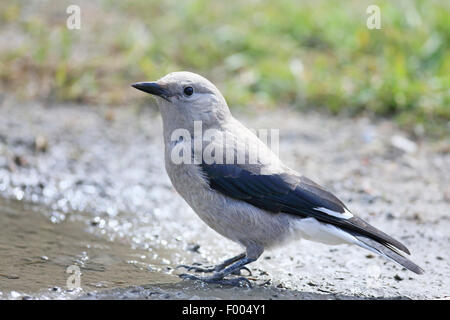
<point>188,91</point>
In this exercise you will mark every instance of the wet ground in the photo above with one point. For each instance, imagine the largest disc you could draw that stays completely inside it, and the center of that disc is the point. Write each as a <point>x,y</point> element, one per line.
<point>86,187</point>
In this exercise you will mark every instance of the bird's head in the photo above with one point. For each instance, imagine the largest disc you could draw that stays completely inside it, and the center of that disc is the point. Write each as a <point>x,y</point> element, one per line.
<point>188,97</point>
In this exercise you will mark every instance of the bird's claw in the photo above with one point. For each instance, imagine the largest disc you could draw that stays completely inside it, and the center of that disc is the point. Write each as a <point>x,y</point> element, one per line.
<point>212,269</point>
<point>238,271</point>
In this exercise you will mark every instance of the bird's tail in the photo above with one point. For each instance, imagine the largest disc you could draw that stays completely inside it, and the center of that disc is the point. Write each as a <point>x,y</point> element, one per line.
<point>388,252</point>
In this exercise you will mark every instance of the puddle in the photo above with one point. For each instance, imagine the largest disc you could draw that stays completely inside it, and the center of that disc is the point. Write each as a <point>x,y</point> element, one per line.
<point>35,254</point>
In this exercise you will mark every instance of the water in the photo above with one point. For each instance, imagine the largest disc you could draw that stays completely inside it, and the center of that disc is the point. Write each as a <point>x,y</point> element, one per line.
<point>35,254</point>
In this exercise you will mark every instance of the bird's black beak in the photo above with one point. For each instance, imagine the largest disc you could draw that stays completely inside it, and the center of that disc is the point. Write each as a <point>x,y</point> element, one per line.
<point>152,88</point>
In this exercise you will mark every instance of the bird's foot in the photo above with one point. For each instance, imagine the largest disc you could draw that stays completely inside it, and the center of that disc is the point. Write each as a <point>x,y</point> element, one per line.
<point>236,282</point>
<point>197,268</point>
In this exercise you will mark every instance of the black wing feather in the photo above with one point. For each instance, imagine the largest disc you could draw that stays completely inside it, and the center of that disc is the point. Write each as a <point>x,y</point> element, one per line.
<point>288,194</point>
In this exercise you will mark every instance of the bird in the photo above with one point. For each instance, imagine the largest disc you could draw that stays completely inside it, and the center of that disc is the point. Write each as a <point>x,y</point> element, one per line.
<point>259,203</point>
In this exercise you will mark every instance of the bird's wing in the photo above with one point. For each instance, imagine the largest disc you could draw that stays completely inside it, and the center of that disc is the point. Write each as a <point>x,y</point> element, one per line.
<point>293,194</point>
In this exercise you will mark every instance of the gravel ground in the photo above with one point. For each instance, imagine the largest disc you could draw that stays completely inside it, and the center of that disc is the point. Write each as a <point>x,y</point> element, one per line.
<point>86,186</point>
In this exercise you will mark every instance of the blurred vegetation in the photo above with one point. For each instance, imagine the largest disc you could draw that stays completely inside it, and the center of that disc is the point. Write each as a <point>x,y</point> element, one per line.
<point>309,54</point>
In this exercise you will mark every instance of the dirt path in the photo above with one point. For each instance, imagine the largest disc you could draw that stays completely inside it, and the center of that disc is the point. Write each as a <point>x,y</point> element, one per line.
<point>87,187</point>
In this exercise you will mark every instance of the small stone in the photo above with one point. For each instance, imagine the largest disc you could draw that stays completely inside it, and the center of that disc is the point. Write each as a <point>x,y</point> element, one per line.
<point>390,216</point>
<point>403,144</point>
<point>194,248</point>
<point>398,278</point>
<point>20,161</point>
<point>40,143</point>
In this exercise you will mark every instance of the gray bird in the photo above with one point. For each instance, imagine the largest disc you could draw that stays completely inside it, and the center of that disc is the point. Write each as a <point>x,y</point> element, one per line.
<point>259,204</point>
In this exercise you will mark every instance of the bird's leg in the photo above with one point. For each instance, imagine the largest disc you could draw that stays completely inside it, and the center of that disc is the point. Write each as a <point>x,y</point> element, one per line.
<point>216,268</point>
<point>227,262</point>
<point>251,255</point>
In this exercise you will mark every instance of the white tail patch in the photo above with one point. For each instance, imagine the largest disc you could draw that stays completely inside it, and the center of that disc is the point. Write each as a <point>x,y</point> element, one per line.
<point>311,229</point>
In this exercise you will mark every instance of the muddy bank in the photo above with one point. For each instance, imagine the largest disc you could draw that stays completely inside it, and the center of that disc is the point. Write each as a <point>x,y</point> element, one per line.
<point>87,185</point>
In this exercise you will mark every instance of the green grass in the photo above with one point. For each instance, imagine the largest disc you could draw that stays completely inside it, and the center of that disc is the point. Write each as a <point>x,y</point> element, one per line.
<point>309,54</point>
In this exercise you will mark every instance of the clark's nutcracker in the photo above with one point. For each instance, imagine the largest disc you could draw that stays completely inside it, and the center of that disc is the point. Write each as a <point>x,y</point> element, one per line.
<point>260,204</point>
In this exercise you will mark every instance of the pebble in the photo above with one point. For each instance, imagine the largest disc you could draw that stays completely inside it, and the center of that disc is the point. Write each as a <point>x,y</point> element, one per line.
<point>403,144</point>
